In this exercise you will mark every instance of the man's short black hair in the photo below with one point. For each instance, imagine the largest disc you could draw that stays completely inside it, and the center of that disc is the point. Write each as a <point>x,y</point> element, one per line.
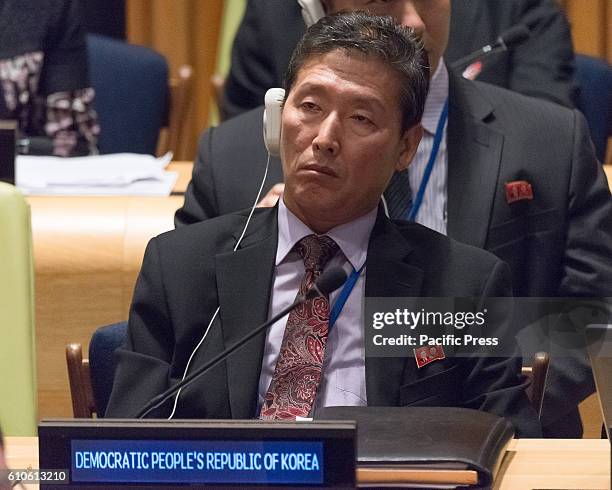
<point>379,37</point>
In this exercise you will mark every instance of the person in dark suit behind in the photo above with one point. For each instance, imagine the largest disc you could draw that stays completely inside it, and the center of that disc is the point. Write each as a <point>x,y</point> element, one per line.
<point>513,175</point>
<point>44,77</point>
<point>540,66</point>
<point>350,119</point>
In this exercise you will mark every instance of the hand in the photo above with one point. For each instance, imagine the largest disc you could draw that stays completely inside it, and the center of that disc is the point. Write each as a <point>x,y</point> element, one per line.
<point>272,196</point>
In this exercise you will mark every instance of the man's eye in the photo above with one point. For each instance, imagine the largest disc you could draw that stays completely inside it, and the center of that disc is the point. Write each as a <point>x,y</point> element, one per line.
<point>381,2</point>
<point>309,106</point>
<point>361,119</point>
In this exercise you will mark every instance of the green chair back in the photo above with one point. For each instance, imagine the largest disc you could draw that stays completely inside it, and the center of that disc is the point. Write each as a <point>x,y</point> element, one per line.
<point>17,348</point>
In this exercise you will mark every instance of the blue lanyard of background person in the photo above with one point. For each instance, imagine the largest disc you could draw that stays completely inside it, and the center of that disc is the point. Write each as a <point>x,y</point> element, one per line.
<point>343,296</point>
<point>432,159</point>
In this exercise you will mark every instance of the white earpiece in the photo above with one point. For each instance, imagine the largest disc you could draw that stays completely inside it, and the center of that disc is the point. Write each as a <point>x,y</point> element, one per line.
<point>312,11</point>
<point>273,102</point>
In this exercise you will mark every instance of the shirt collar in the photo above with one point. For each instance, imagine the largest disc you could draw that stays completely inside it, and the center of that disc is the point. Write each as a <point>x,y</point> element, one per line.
<point>352,237</point>
<point>436,97</point>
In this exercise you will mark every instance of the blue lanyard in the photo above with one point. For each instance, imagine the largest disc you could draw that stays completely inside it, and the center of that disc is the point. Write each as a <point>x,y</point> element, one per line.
<point>344,295</point>
<point>432,158</point>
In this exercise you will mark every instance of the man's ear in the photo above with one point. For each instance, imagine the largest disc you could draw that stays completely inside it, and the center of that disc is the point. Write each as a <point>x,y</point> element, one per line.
<point>410,142</point>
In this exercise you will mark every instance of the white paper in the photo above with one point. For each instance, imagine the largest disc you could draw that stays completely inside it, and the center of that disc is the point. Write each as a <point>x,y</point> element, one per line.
<point>125,174</point>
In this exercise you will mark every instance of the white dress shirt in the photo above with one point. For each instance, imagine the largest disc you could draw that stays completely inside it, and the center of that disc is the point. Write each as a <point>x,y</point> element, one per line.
<point>343,381</point>
<point>432,212</point>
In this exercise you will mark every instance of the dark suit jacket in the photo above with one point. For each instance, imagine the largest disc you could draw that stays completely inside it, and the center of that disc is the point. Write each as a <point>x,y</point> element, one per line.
<point>541,66</point>
<point>558,244</point>
<point>188,272</point>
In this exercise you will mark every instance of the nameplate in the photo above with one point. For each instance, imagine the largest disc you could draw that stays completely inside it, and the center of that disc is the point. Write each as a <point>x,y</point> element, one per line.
<point>221,453</point>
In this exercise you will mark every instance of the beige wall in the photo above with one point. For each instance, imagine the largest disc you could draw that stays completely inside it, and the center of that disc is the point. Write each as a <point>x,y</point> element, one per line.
<point>185,32</point>
<point>591,31</point>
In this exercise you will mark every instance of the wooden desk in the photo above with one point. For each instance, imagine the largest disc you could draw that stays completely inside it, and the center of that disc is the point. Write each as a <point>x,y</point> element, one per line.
<point>556,463</point>
<point>87,254</point>
<point>529,463</point>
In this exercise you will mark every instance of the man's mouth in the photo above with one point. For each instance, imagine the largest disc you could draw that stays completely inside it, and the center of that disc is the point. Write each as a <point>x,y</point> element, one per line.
<point>322,169</point>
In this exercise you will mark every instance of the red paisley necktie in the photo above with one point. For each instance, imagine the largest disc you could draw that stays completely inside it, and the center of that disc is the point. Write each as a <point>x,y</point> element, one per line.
<point>298,369</point>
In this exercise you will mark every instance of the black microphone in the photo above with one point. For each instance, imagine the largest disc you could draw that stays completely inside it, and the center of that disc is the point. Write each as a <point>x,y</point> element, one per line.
<point>514,35</point>
<point>325,284</point>
<point>506,40</point>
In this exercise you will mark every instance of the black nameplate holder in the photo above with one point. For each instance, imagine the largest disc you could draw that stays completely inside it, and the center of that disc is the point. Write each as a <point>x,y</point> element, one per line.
<point>220,453</point>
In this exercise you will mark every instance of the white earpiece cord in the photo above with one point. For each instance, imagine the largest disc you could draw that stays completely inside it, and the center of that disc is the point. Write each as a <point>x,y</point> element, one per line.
<point>263,181</point>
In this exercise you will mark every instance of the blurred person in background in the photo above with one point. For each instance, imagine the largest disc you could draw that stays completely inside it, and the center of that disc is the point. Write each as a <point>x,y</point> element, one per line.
<point>44,82</point>
<point>540,66</point>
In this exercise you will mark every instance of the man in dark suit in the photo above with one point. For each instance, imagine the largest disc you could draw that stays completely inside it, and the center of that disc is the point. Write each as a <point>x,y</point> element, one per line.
<point>522,182</point>
<point>540,66</point>
<point>350,119</point>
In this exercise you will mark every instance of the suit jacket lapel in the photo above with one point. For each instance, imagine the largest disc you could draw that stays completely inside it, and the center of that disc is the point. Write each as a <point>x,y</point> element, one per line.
<point>244,282</point>
<point>474,155</point>
<point>389,273</point>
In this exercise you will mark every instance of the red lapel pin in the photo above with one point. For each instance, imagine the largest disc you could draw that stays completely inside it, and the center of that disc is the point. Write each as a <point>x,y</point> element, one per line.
<point>518,190</point>
<point>426,354</point>
<point>472,71</point>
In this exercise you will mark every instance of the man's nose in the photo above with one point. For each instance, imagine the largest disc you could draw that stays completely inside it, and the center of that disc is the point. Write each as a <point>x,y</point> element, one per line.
<point>409,17</point>
<point>327,141</point>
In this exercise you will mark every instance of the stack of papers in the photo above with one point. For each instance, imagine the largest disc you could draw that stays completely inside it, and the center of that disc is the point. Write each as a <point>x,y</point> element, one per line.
<point>120,174</point>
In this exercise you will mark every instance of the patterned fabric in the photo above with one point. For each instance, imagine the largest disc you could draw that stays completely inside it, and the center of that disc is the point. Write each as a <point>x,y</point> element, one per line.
<point>20,78</point>
<point>299,366</point>
<point>62,116</point>
<point>70,114</point>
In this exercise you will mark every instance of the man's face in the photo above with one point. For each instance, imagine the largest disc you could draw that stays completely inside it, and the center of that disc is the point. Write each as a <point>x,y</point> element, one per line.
<point>429,18</point>
<point>341,138</point>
